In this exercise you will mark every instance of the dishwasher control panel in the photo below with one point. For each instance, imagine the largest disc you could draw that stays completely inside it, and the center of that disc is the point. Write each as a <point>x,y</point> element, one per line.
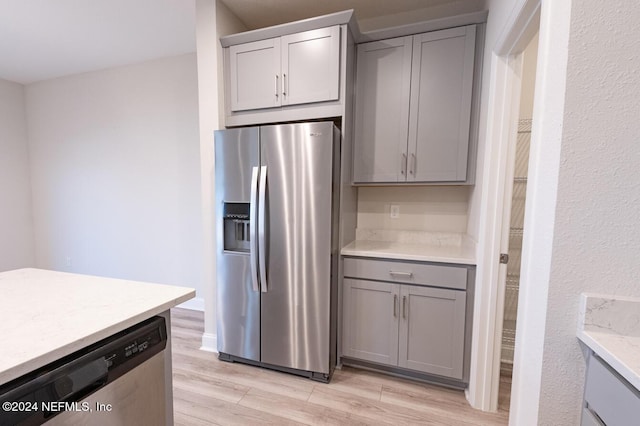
<point>136,347</point>
<point>50,389</point>
<point>137,344</point>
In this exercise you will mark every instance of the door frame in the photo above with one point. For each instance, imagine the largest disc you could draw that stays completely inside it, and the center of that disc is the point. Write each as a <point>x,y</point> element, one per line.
<point>504,97</point>
<point>553,21</point>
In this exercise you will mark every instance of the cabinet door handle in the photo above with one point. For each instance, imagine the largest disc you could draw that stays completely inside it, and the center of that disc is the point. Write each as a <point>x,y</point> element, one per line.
<point>284,84</point>
<point>401,274</point>
<point>403,163</point>
<point>395,301</point>
<point>276,86</point>
<point>412,167</point>
<point>404,307</point>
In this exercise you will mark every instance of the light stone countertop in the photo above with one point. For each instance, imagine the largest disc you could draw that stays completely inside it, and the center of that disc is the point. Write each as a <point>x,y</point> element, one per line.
<point>46,315</point>
<point>409,245</point>
<point>610,326</point>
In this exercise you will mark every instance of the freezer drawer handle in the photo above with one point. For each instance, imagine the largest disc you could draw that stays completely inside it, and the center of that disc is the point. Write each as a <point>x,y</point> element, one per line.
<point>253,213</point>
<point>261,228</point>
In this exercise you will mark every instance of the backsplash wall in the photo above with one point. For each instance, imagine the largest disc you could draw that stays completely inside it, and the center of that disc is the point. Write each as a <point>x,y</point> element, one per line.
<point>422,208</point>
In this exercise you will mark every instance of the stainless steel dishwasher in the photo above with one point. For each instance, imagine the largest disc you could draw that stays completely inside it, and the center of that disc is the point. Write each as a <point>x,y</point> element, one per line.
<point>117,381</point>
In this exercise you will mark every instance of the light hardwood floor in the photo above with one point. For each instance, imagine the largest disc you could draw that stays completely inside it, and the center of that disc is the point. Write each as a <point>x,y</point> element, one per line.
<point>207,391</point>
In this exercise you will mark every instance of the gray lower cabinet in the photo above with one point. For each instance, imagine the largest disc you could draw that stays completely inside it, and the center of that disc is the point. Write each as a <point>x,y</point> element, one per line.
<point>432,330</point>
<point>413,108</point>
<point>371,321</point>
<point>412,326</point>
<point>608,398</point>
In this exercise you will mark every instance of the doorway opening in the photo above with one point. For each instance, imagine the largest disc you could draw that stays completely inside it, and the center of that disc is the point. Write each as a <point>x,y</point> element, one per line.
<point>514,202</point>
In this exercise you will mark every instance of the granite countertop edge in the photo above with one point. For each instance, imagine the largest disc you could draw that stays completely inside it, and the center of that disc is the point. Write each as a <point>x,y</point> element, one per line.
<point>463,253</point>
<point>608,326</point>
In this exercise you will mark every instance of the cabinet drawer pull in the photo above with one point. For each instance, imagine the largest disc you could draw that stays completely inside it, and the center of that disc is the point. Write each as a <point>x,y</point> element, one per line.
<point>395,301</point>
<point>403,163</point>
<point>404,307</point>
<point>276,86</point>
<point>401,274</point>
<point>412,166</point>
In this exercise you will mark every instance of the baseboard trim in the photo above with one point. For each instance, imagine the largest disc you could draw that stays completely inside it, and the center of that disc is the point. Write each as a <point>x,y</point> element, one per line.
<point>209,342</point>
<point>195,304</point>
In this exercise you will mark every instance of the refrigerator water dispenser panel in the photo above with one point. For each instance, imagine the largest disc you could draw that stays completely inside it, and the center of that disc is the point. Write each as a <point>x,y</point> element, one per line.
<point>236,227</point>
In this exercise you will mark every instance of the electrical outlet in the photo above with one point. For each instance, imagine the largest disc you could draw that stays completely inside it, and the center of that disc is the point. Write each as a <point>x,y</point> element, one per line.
<point>394,212</point>
<point>68,260</point>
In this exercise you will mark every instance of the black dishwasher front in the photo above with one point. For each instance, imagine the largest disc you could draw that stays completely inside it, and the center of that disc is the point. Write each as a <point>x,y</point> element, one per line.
<point>60,386</point>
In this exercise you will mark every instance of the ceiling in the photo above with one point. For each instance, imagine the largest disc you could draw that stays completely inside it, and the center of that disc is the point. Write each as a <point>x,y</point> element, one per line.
<point>264,13</point>
<point>44,39</point>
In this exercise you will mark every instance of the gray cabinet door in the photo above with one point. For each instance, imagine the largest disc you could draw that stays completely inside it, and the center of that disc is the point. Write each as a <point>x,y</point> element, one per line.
<point>370,318</point>
<point>614,400</point>
<point>440,112</point>
<point>254,75</point>
<point>311,66</point>
<point>382,110</point>
<point>432,330</point>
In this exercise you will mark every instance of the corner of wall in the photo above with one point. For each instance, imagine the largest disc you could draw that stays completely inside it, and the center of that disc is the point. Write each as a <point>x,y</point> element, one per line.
<point>17,246</point>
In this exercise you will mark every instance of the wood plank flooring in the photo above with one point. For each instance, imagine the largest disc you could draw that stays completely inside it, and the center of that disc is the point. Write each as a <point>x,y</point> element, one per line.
<point>207,391</point>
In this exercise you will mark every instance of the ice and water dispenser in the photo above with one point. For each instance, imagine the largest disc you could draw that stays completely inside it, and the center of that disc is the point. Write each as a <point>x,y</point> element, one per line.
<point>236,226</point>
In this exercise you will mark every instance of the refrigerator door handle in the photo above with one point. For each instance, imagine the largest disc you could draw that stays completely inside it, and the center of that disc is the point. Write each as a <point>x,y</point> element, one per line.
<point>253,220</point>
<point>262,250</point>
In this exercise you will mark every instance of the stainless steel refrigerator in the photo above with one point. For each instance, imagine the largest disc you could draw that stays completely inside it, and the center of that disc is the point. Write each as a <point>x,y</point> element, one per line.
<point>277,194</point>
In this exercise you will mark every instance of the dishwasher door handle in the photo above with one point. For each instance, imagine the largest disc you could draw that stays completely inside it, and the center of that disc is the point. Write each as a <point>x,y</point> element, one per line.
<point>77,383</point>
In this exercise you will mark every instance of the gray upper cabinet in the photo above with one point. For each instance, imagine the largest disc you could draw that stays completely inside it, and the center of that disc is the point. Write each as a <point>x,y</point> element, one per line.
<point>311,66</point>
<point>289,70</point>
<point>413,108</point>
<point>383,87</point>
<point>254,70</point>
<point>441,83</point>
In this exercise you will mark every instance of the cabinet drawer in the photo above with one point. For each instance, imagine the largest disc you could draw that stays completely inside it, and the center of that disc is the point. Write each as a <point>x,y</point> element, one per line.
<point>614,400</point>
<point>406,272</point>
<point>589,419</point>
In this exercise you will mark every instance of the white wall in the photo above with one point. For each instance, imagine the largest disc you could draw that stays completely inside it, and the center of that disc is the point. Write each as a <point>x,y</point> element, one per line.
<point>433,209</point>
<point>596,243</point>
<point>16,224</point>
<point>115,172</point>
<point>213,20</point>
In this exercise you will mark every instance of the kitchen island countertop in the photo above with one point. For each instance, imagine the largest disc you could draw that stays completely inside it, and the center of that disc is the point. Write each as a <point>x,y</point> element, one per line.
<point>46,315</point>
